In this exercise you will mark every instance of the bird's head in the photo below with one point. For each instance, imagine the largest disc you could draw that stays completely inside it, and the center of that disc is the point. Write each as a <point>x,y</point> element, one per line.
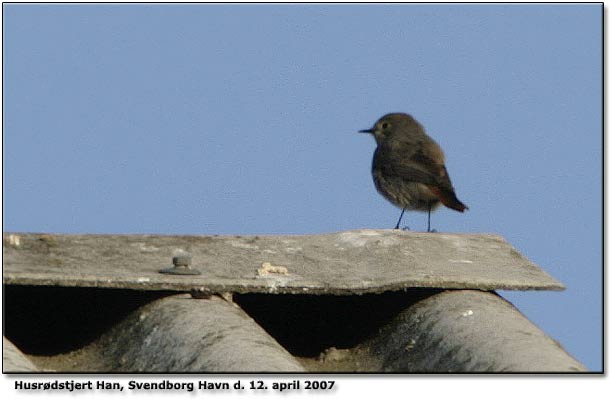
<point>391,125</point>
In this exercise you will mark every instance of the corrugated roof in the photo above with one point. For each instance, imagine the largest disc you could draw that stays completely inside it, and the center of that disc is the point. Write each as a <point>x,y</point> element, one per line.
<point>358,301</point>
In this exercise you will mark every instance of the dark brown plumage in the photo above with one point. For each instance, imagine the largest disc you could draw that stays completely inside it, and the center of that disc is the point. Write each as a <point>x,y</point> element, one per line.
<point>408,166</point>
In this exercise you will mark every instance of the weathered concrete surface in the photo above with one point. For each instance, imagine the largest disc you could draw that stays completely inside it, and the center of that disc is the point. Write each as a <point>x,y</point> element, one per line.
<point>182,334</point>
<point>350,262</point>
<point>14,361</point>
<point>466,332</point>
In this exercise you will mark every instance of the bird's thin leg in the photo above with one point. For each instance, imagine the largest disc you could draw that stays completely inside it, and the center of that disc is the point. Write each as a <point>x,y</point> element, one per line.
<point>428,227</point>
<point>399,221</point>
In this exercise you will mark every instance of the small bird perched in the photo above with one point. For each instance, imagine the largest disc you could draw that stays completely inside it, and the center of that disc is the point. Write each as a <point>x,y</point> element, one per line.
<point>408,167</point>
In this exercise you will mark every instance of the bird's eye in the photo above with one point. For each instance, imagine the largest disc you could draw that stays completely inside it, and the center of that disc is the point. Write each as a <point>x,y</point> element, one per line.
<point>385,125</point>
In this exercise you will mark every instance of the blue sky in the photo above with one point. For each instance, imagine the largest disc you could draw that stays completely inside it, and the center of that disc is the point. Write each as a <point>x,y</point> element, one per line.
<point>242,119</point>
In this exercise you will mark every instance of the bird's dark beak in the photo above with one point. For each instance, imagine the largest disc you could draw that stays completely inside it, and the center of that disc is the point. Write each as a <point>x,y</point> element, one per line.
<point>366,131</point>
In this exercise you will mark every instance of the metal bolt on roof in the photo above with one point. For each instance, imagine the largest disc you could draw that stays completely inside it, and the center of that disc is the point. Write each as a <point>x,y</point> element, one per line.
<point>181,266</point>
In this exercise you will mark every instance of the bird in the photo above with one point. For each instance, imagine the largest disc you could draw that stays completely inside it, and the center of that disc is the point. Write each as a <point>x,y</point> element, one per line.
<point>408,167</point>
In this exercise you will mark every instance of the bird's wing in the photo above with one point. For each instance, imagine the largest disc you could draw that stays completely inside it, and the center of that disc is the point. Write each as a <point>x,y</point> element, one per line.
<point>443,188</point>
<point>416,167</point>
<point>436,169</point>
<point>420,168</point>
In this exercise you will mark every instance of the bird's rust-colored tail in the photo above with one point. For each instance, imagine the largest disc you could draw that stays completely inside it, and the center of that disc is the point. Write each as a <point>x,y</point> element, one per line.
<point>448,198</point>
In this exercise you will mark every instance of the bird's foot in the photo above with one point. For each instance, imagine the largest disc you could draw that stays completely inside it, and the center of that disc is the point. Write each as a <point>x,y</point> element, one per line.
<point>406,228</point>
